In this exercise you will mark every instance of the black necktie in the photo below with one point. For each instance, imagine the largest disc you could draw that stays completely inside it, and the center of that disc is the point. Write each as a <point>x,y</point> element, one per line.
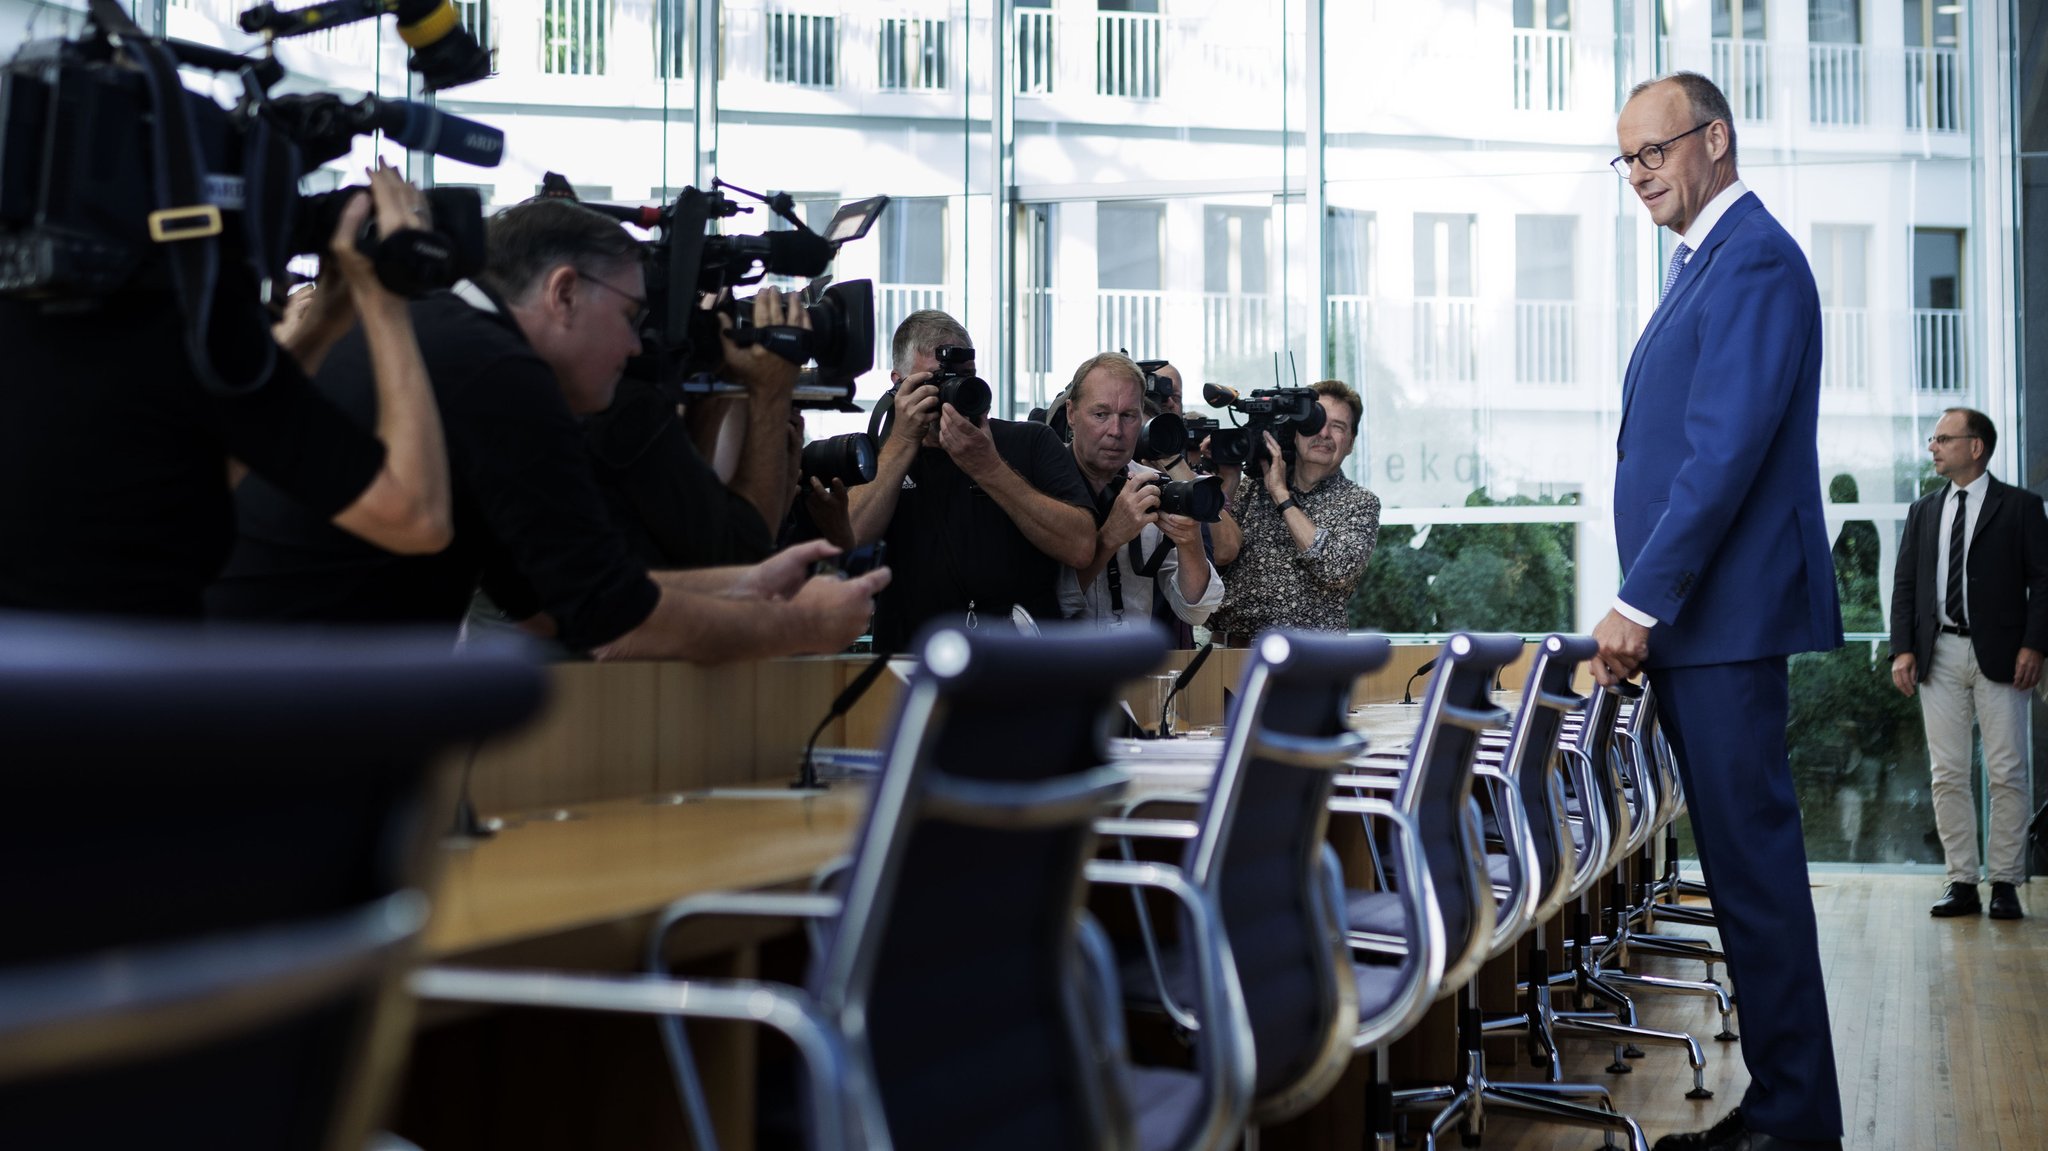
<point>1955,559</point>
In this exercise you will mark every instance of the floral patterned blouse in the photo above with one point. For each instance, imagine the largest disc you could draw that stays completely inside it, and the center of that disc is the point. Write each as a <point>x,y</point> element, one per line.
<point>1275,584</point>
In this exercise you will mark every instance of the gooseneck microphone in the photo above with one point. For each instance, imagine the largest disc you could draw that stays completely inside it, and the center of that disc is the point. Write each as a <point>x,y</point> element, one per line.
<point>1407,695</point>
<point>1186,676</point>
<point>807,775</point>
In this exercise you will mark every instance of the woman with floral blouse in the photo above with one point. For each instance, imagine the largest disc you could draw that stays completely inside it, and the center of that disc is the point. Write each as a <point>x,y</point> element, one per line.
<point>1308,532</point>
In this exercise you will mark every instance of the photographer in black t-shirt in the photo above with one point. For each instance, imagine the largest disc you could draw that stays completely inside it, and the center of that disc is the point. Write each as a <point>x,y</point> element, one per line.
<point>117,462</point>
<point>978,518</point>
<point>515,359</point>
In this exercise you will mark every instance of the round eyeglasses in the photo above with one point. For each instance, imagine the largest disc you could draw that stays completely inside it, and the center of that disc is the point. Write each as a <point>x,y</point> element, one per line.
<point>1651,156</point>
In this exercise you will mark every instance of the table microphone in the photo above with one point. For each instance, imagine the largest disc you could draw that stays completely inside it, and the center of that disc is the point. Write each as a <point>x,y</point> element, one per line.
<point>807,775</point>
<point>1186,676</point>
<point>1407,695</point>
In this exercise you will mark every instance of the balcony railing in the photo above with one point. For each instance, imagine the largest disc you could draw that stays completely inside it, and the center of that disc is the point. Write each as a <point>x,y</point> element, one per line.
<point>1129,319</point>
<point>912,53</point>
<point>1940,360</point>
<point>1543,341</point>
<point>1350,323</point>
<point>1034,62</point>
<point>1844,350</point>
<point>1934,96</point>
<point>1127,54</point>
<point>1446,341</point>
<point>573,34</point>
<point>1235,328</point>
<point>1742,68</point>
<point>1835,84</point>
<point>803,49</point>
<point>1542,70</point>
<point>893,305</point>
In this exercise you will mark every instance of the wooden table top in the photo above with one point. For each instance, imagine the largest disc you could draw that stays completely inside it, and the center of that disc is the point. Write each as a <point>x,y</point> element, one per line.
<point>603,874</point>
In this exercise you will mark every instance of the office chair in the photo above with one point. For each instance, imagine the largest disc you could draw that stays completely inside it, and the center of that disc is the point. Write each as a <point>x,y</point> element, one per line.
<point>1256,844</point>
<point>216,864</point>
<point>960,998</point>
<point>1531,870</point>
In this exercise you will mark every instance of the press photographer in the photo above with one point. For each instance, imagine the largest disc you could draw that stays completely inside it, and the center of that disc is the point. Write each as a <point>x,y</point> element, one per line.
<point>141,366</point>
<point>978,513</point>
<point>1149,534</point>
<point>542,336</point>
<point>1308,530</point>
<point>699,455</point>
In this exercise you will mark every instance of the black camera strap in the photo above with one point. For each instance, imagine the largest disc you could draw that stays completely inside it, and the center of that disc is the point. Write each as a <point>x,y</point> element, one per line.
<point>184,223</point>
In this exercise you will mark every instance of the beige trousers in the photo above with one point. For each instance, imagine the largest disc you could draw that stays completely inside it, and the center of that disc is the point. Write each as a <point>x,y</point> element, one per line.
<point>1956,688</point>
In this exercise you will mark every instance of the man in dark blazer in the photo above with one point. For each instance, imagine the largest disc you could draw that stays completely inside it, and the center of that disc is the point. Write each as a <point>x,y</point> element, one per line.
<point>1969,624</point>
<point>1724,550</point>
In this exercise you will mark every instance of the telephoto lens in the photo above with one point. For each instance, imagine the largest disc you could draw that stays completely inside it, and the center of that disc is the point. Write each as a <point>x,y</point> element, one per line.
<point>1200,498</point>
<point>969,396</point>
<point>1164,435</point>
<point>849,459</point>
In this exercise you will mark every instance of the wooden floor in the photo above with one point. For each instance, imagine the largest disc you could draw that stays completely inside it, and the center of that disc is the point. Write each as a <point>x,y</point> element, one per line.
<point>1941,1030</point>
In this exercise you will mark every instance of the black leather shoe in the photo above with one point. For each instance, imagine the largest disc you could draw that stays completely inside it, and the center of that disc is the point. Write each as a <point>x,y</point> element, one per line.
<point>2005,902</point>
<point>1960,900</point>
<point>1719,1134</point>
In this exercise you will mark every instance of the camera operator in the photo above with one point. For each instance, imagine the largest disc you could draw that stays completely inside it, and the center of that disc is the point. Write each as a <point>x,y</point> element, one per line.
<point>659,466</point>
<point>1137,547</point>
<point>118,461</point>
<point>1308,531</point>
<point>544,336</point>
<point>977,517</point>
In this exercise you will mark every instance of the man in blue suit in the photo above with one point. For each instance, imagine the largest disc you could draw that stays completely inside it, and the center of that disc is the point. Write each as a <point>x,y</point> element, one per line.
<point>1717,512</point>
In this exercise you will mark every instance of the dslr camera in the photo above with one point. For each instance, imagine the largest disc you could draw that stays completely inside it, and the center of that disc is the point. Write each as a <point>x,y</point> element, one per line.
<point>1285,412</point>
<point>1200,498</point>
<point>114,178</point>
<point>968,393</point>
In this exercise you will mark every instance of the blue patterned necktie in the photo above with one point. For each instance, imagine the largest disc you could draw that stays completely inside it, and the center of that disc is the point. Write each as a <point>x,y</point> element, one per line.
<point>1678,256</point>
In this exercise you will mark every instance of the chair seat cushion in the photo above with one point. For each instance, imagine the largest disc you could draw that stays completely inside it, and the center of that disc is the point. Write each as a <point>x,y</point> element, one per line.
<point>1378,986</point>
<point>1380,912</point>
<point>1167,1101</point>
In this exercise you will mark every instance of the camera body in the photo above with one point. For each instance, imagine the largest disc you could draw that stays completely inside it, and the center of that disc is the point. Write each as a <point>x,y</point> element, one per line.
<point>969,394</point>
<point>1161,390</point>
<point>1285,412</point>
<point>1200,498</point>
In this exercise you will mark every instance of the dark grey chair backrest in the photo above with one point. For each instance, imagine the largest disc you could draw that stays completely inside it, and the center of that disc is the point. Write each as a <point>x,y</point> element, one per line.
<point>1261,852</point>
<point>955,965</point>
<point>1534,762</point>
<point>214,857</point>
<point>1436,790</point>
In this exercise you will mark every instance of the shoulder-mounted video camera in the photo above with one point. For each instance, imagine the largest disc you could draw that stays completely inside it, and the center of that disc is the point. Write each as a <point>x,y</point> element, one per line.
<point>681,343</point>
<point>1286,412</point>
<point>115,178</point>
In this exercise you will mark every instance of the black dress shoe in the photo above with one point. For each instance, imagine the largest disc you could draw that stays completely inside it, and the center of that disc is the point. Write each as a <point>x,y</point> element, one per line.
<point>1729,1127</point>
<point>2005,902</point>
<point>1960,900</point>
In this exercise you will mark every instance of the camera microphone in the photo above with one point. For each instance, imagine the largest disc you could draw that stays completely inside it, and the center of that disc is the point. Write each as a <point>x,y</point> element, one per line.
<point>1217,396</point>
<point>424,128</point>
<point>443,51</point>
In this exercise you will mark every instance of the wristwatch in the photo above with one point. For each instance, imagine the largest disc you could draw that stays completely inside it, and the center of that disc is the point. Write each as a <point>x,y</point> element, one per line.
<point>1283,505</point>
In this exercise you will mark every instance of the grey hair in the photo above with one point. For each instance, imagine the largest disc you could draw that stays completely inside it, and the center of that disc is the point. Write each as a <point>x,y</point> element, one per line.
<point>1703,95</point>
<point>923,331</point>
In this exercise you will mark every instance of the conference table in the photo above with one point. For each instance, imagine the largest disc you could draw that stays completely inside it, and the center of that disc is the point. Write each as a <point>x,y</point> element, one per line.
<point>647,783</point>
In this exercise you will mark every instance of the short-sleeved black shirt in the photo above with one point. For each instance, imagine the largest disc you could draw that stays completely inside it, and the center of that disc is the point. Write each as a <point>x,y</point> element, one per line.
<point>951,546</point>
<point>114,459</point>
<point>530,526</point>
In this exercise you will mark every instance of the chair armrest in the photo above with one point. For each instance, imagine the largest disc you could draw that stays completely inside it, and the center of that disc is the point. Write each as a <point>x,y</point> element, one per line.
<point>1419,892</point>
<point>781,1008</point>
<point>1182,829</point>
<point>1227,1068</point>
<point>756,904</point>
<point>1367,782</point>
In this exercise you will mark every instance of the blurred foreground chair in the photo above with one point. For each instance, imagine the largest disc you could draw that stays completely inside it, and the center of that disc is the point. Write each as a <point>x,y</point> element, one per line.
<point>214,868</point>
<point>960,998</point>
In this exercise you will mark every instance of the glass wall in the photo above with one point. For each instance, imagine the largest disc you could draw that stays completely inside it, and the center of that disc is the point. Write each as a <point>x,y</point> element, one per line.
<point>1411,197</point>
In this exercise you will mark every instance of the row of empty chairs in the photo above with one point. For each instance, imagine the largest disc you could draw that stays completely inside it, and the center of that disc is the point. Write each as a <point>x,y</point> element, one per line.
<point>960,992</point>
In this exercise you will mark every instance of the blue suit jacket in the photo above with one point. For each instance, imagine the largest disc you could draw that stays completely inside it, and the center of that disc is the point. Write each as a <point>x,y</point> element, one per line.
<point>1717,506</point>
